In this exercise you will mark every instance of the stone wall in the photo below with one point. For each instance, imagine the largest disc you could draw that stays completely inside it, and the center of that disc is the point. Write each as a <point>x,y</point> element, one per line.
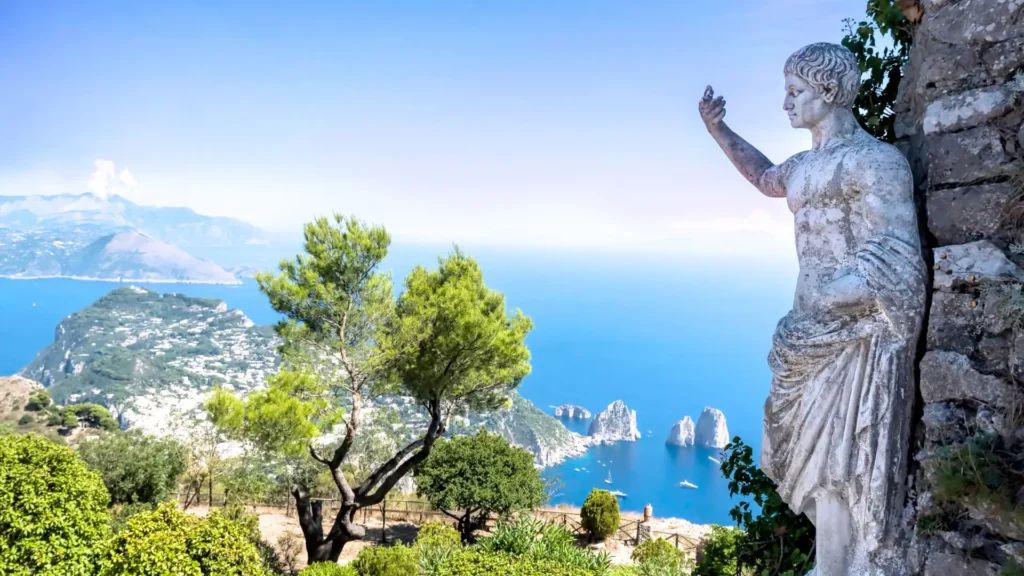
<point>960,124</point>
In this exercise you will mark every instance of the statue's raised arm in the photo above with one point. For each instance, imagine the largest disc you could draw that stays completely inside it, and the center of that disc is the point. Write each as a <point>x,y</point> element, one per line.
<point>755,166</point>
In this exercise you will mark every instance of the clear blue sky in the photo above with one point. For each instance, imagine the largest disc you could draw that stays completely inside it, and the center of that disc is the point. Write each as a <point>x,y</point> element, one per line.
<point>511,123</point>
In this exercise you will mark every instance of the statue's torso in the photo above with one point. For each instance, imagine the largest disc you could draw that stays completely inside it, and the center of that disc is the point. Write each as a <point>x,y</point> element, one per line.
<point>825,190</point>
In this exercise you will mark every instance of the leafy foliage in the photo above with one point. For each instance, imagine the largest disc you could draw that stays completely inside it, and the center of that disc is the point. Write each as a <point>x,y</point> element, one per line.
<point>437,534</point>
<point>882,63</point>
<point>169,541</point>
<point>777,540</point>
<point>53,509</point>
<point>600,514</point>
<point>543,542</point>
<point>135,467</point>
<point>387,561</point>
<point>38,401</point>
<point>652,548</point>
<point>478,476</point>
<point>327,569</point>
<point>982,472</point>
<point>473,563</point>
<point>718,552</point>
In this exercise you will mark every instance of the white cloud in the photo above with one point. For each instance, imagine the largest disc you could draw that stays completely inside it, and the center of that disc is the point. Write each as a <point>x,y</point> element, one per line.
<point>104,180</point>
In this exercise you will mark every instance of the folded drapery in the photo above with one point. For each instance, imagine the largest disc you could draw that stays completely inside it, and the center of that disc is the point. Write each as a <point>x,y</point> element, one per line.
<point>843,388</point>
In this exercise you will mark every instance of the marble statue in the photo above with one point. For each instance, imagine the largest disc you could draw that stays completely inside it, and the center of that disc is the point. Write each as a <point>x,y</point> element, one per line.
<point>837,418</point>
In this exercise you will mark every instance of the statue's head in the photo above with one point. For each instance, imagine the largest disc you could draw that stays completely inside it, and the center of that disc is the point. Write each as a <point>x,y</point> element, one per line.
<point>819,79</point>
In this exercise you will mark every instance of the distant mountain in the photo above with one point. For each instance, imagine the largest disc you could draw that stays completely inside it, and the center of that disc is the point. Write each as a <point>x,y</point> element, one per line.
<point>82,252</point>
<point>181,227</point>
<point>133,257</point>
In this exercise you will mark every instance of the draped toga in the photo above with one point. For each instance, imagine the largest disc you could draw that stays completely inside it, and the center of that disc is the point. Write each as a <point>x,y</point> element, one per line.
<point>838,414</point>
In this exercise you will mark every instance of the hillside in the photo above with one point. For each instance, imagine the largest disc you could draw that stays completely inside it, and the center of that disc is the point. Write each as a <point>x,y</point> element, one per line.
<point>152,358</point>
<point>178,226</point>
<point>145,355</point>
<point>131,256</point>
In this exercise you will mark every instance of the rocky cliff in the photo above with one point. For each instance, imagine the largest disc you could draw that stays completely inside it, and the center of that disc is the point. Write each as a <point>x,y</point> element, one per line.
<point>711,430</point>
<point>617,423</point>
<point>960,122</point>
<point>682,433</point>
<point>572,412</point>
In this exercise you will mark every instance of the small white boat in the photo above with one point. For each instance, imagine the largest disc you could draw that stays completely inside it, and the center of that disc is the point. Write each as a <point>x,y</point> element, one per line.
<point>715,460</point>
<point>576,470</point>
<point>687,484</point>
<point>608,480</point>
<point>617,493</point>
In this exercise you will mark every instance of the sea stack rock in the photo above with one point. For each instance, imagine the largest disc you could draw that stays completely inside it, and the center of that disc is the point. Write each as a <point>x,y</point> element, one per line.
<point>572,412</point>
<point>682,433</point>
<point>616,423</point>
<point>712,431</point>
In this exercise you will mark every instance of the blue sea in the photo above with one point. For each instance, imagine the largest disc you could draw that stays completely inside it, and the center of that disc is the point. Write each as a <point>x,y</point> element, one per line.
<point>666,336</point>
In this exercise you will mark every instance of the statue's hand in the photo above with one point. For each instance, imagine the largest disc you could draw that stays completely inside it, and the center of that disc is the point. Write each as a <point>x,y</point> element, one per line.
<point>712,109</point>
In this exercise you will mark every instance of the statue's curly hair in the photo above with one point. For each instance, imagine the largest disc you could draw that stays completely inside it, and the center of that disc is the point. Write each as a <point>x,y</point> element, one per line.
<point>823,62</point>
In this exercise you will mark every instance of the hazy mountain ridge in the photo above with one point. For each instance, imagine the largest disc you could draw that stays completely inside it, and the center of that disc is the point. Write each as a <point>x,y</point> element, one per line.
<point>181,227</point>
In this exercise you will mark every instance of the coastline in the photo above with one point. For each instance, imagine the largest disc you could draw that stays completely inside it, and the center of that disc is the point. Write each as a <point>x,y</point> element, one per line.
<point>237,282</point>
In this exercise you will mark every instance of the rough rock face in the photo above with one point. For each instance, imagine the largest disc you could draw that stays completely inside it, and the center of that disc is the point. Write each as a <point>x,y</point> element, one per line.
<point>617,423</point>
<point>682,433</point>
<point>961,123</point>
<point>572,412</point>
<point>711,431</point>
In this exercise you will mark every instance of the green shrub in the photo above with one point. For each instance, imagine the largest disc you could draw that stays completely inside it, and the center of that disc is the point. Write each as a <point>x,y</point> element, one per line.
<point>54,420</point>
<point>135,467</point>
<point>654,548</point>
<point>667,566</point>
<point>600,514</point>
<point>479,476</point>
<point>543,541</point>
<point>438,534</point>
<point>718,552</point>
<point>387,561</point>
<point>25,420</point>
<point>327,569</point>
<point>120,514</point>
<point>470,562</point>
<point>38,401</point>
<point>169,541</point>
<point>53,509</point>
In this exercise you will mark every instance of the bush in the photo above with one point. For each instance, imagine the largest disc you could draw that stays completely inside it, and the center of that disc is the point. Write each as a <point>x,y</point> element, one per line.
<point>120,514</point>
<point>327,569</point>
<point>53,509</point>
<point>135,467</point>
<point>387,561</point>
<point>25,420</point>
<point>543,541</point>
<point>600,514</point>
<point>38,401</point>
<point>479,475</point>
<point>169,541</point>
<point>474,563</point>
<point>718,552</point>
<point>654,548</point>
<point>438,534</point>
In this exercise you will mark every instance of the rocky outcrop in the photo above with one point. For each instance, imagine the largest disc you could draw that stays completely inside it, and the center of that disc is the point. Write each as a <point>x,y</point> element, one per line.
<point>572,412</point>
<point>682,433</point>
<point>711,431</point>
<point>617,423</point>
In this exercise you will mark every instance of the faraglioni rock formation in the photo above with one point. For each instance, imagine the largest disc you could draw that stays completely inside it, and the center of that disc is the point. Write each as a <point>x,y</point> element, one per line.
<point>711,430</point>
<point>837,418</point>
<point>617,423</point>
<point>682,433</point>
<point>572,412</point>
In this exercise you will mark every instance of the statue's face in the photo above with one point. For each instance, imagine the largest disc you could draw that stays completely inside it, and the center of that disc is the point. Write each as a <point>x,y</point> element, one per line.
<point>804,104</point>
